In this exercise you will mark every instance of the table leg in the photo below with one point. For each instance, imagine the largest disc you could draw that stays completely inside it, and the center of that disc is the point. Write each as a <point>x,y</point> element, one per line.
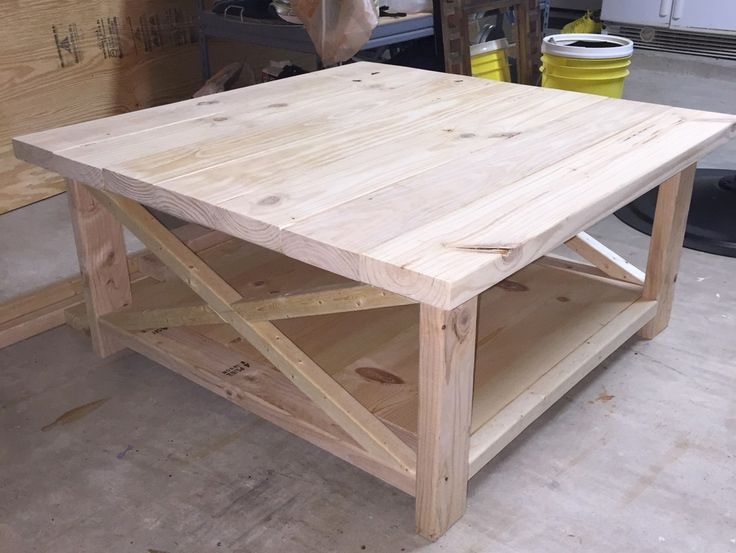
<point>447,343</point>
<point>102,262</point>
<point>668,232</point>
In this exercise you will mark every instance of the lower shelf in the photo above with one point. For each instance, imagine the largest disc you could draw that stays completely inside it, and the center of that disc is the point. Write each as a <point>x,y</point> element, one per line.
<point>539,333</point>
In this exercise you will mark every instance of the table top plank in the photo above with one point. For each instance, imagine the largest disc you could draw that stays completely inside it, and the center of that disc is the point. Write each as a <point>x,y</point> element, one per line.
<point>314,85</point>
<point>205,132</point>
<point>363,224</point>
<point>499,234</point>
<point>333,170</point>
<point>430,185</point>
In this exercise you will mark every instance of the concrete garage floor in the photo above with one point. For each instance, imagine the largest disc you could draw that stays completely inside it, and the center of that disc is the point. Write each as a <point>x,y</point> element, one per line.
<point>121,455</point>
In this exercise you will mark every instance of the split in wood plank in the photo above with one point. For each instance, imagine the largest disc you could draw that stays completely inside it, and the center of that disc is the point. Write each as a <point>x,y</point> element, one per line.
<point>359,423</point>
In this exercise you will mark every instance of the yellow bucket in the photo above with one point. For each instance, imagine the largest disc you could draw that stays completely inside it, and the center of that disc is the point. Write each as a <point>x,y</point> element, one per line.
<point>595,64</point>
<point>612,86</point>
<point>488,60</point>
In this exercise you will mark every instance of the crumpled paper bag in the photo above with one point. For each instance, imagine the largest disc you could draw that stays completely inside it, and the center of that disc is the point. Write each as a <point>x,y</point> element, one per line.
<point>338,28</point>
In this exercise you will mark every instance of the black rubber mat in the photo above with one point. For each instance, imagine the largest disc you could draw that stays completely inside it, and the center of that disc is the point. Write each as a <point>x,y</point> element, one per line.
<point>711,222</point>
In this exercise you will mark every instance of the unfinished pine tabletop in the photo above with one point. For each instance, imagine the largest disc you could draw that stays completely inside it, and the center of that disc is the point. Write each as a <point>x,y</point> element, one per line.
<point>429,185</point>
<point>414,212</point>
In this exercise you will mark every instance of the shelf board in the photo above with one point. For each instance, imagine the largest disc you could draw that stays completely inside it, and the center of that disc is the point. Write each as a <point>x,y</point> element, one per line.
<point>279,34</point>
<point>526,326</point>
<point>539,332</point>
<point>496,433</point>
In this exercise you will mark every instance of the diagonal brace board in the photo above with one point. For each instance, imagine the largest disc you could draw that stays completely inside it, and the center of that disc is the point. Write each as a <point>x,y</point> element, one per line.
<point>605,259</point>
<point>333,299</point>
<point>359,423</point>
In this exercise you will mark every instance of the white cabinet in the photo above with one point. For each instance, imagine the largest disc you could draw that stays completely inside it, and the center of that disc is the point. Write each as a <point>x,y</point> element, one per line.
<point>652,13</point>
<point>712,15</point>
<point>716,15</point>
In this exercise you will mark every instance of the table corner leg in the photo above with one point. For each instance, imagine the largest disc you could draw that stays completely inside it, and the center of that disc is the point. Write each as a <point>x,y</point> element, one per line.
<point>103,263</point>
<point>446,367</point>
<point>668,233</point>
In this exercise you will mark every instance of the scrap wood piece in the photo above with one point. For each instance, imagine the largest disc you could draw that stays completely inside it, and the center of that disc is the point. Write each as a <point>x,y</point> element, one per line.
<point>29,314</point>
<point>42,309</point>
<point>605,259</point>
<point>339,298</point>
<point>352,416</point>
<point>221,81</point>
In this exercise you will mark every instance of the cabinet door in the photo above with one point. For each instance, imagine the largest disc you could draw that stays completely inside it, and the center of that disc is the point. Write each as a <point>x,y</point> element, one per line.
<point>716,15</point>
<point>651,13</point>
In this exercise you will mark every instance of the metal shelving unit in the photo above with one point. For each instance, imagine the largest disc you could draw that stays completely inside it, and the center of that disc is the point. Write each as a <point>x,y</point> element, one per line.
<point>276,33</point>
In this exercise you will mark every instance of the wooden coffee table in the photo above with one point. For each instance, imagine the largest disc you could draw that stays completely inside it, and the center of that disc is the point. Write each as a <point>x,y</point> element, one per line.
<point>378,280</point>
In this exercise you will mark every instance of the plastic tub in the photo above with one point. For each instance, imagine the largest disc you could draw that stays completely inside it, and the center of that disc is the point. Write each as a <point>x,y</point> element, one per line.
<point>488,60</point>
<point>595,64</point>
<point>612,86</point>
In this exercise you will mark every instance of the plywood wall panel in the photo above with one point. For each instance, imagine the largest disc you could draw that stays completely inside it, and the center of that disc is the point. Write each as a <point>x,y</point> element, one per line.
<point>66,61</point>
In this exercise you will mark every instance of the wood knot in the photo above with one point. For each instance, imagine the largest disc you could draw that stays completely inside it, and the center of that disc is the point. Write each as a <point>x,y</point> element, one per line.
<point>269,200</point>
<point>462,324</point>
<point>378,375</point>
<point>512,286</point>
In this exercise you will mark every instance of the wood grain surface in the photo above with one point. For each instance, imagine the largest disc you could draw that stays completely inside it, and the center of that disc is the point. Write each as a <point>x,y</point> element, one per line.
<point>429,185</point>
<point>66,61</point>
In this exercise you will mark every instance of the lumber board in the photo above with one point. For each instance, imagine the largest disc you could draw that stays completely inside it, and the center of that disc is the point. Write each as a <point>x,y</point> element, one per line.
<point>605,259</point>
<point>103,263</point>
<point>447,344</point>
<point>374,354</point>
<point>245,379</point>
<point>668,233</point>
<point>40,310</point>
<point>333,299</point>
<point>577,319</point>
<point>562,262</point>
<point>37,311</point>
<point>309,377</point>
<point>293,175</point>
<point>489,439</point>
